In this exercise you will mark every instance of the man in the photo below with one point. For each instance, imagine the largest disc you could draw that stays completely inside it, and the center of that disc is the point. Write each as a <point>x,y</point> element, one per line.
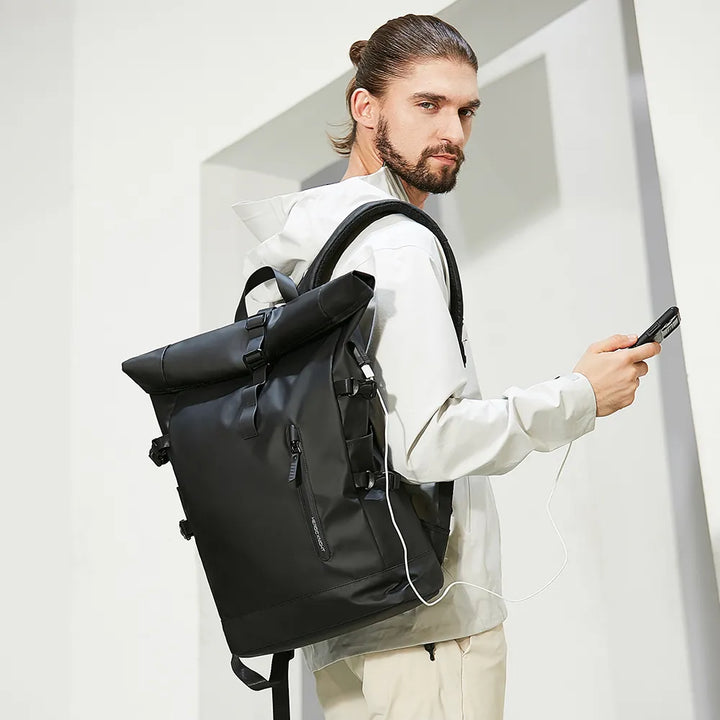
<point>412,102</point>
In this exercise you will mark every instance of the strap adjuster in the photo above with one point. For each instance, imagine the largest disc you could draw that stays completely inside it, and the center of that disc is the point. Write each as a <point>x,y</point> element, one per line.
<point>159,450</point>
<point>185,529</point>
<point>255,359</point>
<point>368,479</point>
<point>364,387</point>
<point>258,320</point>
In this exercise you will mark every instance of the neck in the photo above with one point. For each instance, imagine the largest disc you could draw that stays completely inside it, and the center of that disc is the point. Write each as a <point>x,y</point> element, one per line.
<point>365,162</point>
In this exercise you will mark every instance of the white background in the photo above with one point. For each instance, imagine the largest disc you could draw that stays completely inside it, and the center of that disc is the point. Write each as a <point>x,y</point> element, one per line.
<point>108,112</point>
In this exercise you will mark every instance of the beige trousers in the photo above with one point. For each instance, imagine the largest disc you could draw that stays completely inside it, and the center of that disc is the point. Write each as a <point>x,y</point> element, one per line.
<point>465,682</point>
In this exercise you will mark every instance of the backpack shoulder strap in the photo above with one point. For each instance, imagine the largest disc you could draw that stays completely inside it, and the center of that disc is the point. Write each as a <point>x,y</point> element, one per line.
<point>320,272</point>
<point>321,268</point>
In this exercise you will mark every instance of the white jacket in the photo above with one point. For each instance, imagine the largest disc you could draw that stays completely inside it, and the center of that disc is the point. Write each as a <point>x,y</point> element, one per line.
<point>439,427</point>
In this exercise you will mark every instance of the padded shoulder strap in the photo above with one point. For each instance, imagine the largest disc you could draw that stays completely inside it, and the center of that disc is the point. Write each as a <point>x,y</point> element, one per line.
<point>321,268</point>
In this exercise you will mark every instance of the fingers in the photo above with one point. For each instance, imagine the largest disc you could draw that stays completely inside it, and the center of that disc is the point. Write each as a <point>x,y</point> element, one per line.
<point>614,342</point>
<point>643,352</point>
<point>641,368</point>
<point>619,342</point>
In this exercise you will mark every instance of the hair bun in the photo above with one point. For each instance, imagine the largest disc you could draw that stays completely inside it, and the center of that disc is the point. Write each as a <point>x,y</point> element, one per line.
<point>356,50</point>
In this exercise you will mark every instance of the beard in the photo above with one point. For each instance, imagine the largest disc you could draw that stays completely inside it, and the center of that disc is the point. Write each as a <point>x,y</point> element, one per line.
<point>420,174</point>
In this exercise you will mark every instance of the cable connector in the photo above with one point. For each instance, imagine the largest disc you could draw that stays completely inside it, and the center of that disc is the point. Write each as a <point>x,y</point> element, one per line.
<point>364,362</point>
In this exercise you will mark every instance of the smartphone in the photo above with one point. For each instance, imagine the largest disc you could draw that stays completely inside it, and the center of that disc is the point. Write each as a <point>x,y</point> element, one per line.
<point>661,328</point>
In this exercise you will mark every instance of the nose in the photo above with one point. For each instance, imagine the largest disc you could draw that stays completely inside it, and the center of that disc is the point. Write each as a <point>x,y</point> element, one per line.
<point>451,130</point>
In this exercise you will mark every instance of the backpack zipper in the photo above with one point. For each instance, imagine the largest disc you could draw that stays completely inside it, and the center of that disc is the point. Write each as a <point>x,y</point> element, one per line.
<point>298,475</point>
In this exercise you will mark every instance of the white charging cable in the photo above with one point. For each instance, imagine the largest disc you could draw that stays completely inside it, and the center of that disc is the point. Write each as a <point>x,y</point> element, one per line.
<point>368,372</point>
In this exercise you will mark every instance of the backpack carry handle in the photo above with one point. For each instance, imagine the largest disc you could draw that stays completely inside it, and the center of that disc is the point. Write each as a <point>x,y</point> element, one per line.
<point>287,288</point>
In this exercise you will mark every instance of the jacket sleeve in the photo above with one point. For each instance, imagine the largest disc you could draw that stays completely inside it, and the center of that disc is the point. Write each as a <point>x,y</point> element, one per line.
<point>435,431</point>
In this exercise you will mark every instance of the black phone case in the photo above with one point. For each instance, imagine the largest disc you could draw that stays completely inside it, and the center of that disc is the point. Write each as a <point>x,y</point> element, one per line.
<point>661,328</point>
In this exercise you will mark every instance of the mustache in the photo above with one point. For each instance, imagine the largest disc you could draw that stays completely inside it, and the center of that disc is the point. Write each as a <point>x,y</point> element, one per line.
<point>445,150</point>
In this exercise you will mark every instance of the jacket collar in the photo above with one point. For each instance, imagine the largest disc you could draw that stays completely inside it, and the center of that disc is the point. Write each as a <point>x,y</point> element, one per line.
<point>395,186</point>
<point>267,217</point>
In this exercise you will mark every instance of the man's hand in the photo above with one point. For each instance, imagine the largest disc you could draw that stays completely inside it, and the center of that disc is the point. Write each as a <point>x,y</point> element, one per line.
<point>615,376</point>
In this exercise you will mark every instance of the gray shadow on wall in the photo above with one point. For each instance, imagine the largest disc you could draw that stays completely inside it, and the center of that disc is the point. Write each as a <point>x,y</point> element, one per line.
<point>329,174</point>
<point>510,185</point>
<point>491,27</point>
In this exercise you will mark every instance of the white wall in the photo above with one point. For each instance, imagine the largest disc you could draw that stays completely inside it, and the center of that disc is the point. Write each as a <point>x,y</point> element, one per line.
<point>109,111</point>
<point>681,61</point>
<point>36,234</point>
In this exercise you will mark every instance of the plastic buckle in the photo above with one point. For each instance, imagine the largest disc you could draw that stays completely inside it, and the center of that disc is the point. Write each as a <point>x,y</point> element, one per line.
<point>185,529</point>
<point>352,387</point>
<point>255,359</point>
<point>159,450</point>
<point>258,320</point>
<point>394,479</point>
<point>368,479</point>
<point>365,388</point>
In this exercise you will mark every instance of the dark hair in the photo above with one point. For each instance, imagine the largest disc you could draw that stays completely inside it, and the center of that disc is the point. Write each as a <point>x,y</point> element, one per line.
<point>389,51</point>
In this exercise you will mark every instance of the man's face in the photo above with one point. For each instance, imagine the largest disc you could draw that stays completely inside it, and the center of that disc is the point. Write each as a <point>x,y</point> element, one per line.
<point>425,115</point>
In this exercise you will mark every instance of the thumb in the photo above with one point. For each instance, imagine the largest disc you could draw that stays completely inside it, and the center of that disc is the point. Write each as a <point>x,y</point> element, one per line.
<point>614,342</point>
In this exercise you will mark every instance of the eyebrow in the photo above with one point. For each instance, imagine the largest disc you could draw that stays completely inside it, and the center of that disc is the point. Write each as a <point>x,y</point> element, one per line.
<point>434,97</point>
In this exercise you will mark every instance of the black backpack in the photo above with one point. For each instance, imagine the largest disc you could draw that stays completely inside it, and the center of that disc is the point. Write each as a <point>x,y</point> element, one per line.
<point>268,425</point>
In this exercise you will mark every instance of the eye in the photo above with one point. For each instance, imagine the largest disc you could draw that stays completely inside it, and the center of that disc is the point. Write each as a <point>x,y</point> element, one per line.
<point>468,112</point>
<point>426,102</point>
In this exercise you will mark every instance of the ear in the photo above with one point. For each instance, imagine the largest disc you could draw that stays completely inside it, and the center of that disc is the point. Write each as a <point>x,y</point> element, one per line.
<point>365,108</point>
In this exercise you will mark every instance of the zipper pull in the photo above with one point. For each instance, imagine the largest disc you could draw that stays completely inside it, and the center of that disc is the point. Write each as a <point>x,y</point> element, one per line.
<point>295,449</point>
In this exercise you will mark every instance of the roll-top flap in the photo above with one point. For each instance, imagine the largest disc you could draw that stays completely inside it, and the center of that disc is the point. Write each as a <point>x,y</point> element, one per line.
<point>217,355</point>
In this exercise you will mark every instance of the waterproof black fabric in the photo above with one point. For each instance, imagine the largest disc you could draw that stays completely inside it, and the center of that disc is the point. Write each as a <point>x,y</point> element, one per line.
<point>267,424</point>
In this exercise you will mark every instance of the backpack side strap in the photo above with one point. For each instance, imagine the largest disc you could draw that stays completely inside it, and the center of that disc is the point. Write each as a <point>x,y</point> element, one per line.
<point>278,681</point>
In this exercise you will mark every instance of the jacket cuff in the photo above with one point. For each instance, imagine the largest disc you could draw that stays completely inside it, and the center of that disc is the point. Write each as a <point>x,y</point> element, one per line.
<point>581,396</point>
